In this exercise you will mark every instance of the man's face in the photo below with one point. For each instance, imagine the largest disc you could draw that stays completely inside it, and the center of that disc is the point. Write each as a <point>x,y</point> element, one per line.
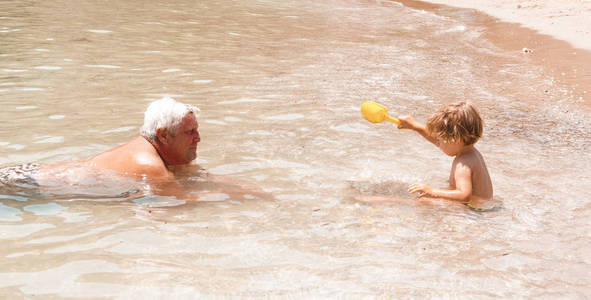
<point>183,146</point>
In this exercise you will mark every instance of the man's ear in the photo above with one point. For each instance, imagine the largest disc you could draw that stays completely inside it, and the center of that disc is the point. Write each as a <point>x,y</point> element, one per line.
<point>162,135</point>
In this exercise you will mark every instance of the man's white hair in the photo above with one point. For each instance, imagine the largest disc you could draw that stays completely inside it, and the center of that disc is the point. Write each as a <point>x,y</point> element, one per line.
<point>165,113</point>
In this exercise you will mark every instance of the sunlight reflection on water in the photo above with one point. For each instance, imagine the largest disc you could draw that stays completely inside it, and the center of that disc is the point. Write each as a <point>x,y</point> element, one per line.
<point>279,85</point>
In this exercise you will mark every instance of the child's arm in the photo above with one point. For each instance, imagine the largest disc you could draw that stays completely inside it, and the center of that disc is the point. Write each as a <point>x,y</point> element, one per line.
<point>410,123</point>
<point>461,192</point>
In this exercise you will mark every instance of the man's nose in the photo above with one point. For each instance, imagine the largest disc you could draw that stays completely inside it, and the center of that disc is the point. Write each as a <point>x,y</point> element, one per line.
<point>196,137</point>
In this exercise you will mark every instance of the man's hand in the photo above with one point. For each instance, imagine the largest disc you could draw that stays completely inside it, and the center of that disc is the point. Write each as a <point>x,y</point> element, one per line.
<point>421,188</point>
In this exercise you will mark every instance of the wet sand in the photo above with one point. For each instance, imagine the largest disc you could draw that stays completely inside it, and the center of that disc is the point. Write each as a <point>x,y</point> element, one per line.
<point>565,20</point>
<point>555,34</point>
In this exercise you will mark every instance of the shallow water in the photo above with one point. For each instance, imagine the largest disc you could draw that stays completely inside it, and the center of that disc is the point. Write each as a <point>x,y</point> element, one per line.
<point>279,85</point>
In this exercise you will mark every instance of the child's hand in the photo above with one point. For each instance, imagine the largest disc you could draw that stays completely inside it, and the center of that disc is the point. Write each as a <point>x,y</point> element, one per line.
<point>406,122</point>
<point>421,188</point>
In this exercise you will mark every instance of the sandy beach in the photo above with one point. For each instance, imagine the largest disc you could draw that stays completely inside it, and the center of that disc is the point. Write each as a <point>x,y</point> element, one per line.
<point>555,34</point>
<point>568,20</point>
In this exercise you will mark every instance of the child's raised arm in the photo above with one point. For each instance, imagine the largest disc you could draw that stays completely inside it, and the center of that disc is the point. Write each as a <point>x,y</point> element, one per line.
<point>407,122</point>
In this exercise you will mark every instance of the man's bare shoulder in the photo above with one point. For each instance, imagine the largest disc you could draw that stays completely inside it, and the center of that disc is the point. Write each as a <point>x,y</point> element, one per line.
<point>145,160</point>
<point>137,157</point>
<point>146,163</point>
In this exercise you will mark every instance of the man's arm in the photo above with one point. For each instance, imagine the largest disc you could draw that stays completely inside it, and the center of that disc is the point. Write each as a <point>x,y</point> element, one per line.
<point>207,187</point>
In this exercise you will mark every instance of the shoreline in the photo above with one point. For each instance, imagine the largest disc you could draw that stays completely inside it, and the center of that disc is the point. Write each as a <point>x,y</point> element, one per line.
<point>542,30</point>
<point>569,21</point>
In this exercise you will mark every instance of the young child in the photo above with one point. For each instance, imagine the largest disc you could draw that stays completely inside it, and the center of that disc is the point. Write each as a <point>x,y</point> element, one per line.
<point>455,129</point>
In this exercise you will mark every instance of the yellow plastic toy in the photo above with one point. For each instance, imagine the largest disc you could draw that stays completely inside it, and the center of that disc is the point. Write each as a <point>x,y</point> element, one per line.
<point>376,113</point>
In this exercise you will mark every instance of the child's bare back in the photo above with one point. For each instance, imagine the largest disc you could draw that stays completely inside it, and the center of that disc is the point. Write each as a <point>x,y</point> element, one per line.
<point>482,189</point>
<point>455,129</point>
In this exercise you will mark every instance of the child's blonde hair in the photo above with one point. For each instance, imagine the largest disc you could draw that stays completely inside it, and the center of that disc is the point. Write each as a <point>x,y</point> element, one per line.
<point>457,122</point>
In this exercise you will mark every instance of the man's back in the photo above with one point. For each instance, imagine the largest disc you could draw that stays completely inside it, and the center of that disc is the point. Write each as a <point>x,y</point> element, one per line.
<point>136,157</point>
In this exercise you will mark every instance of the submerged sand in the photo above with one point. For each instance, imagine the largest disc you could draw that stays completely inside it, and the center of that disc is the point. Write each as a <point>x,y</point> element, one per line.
<point>555,34</point>
<point>568,20</point>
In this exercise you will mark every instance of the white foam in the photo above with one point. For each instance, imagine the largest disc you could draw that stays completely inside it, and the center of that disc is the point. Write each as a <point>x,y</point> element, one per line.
<point>165,95</point>
<point>3,90</point>
<point>16,146</point>
<point>235,168</point>
<point>31,89</point>
<point>170,70</point>
<point>424,12</point>
<point>50,139</point>
<point>14,70</point>
<point>319,140</point>
<point>285,164</point>
<point>260,177</point>
<point>56,117</point>
<point>216,122</point>
<point>243,100</point>
<point>459,28</point>
<point>19,254</point>
<point>120,129</point>
<point>232,119</point>
<point>214,197</point>
<point>41,50</point>
<point>202,81</point>
<point>259,132</point>
<point>103,66</point>
<point>286,117</point>
<point>99,31</point>
<point>49,68</point>
<point>352,128</point>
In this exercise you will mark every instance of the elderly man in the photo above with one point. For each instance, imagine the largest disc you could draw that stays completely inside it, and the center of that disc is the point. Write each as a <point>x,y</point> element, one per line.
<point>168,139</point>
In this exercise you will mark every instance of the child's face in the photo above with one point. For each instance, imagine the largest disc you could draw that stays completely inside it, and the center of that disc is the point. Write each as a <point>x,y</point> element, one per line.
<point>449,148</point>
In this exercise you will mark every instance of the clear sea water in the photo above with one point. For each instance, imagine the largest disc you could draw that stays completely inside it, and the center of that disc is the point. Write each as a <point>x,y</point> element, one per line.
<point>279,84</point>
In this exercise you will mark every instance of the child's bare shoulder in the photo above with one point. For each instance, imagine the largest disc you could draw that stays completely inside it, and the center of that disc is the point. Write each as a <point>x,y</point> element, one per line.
<point>471,158</point>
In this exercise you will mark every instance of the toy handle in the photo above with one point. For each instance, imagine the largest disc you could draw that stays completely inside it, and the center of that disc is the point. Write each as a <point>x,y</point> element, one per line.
<point>393,120</point>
